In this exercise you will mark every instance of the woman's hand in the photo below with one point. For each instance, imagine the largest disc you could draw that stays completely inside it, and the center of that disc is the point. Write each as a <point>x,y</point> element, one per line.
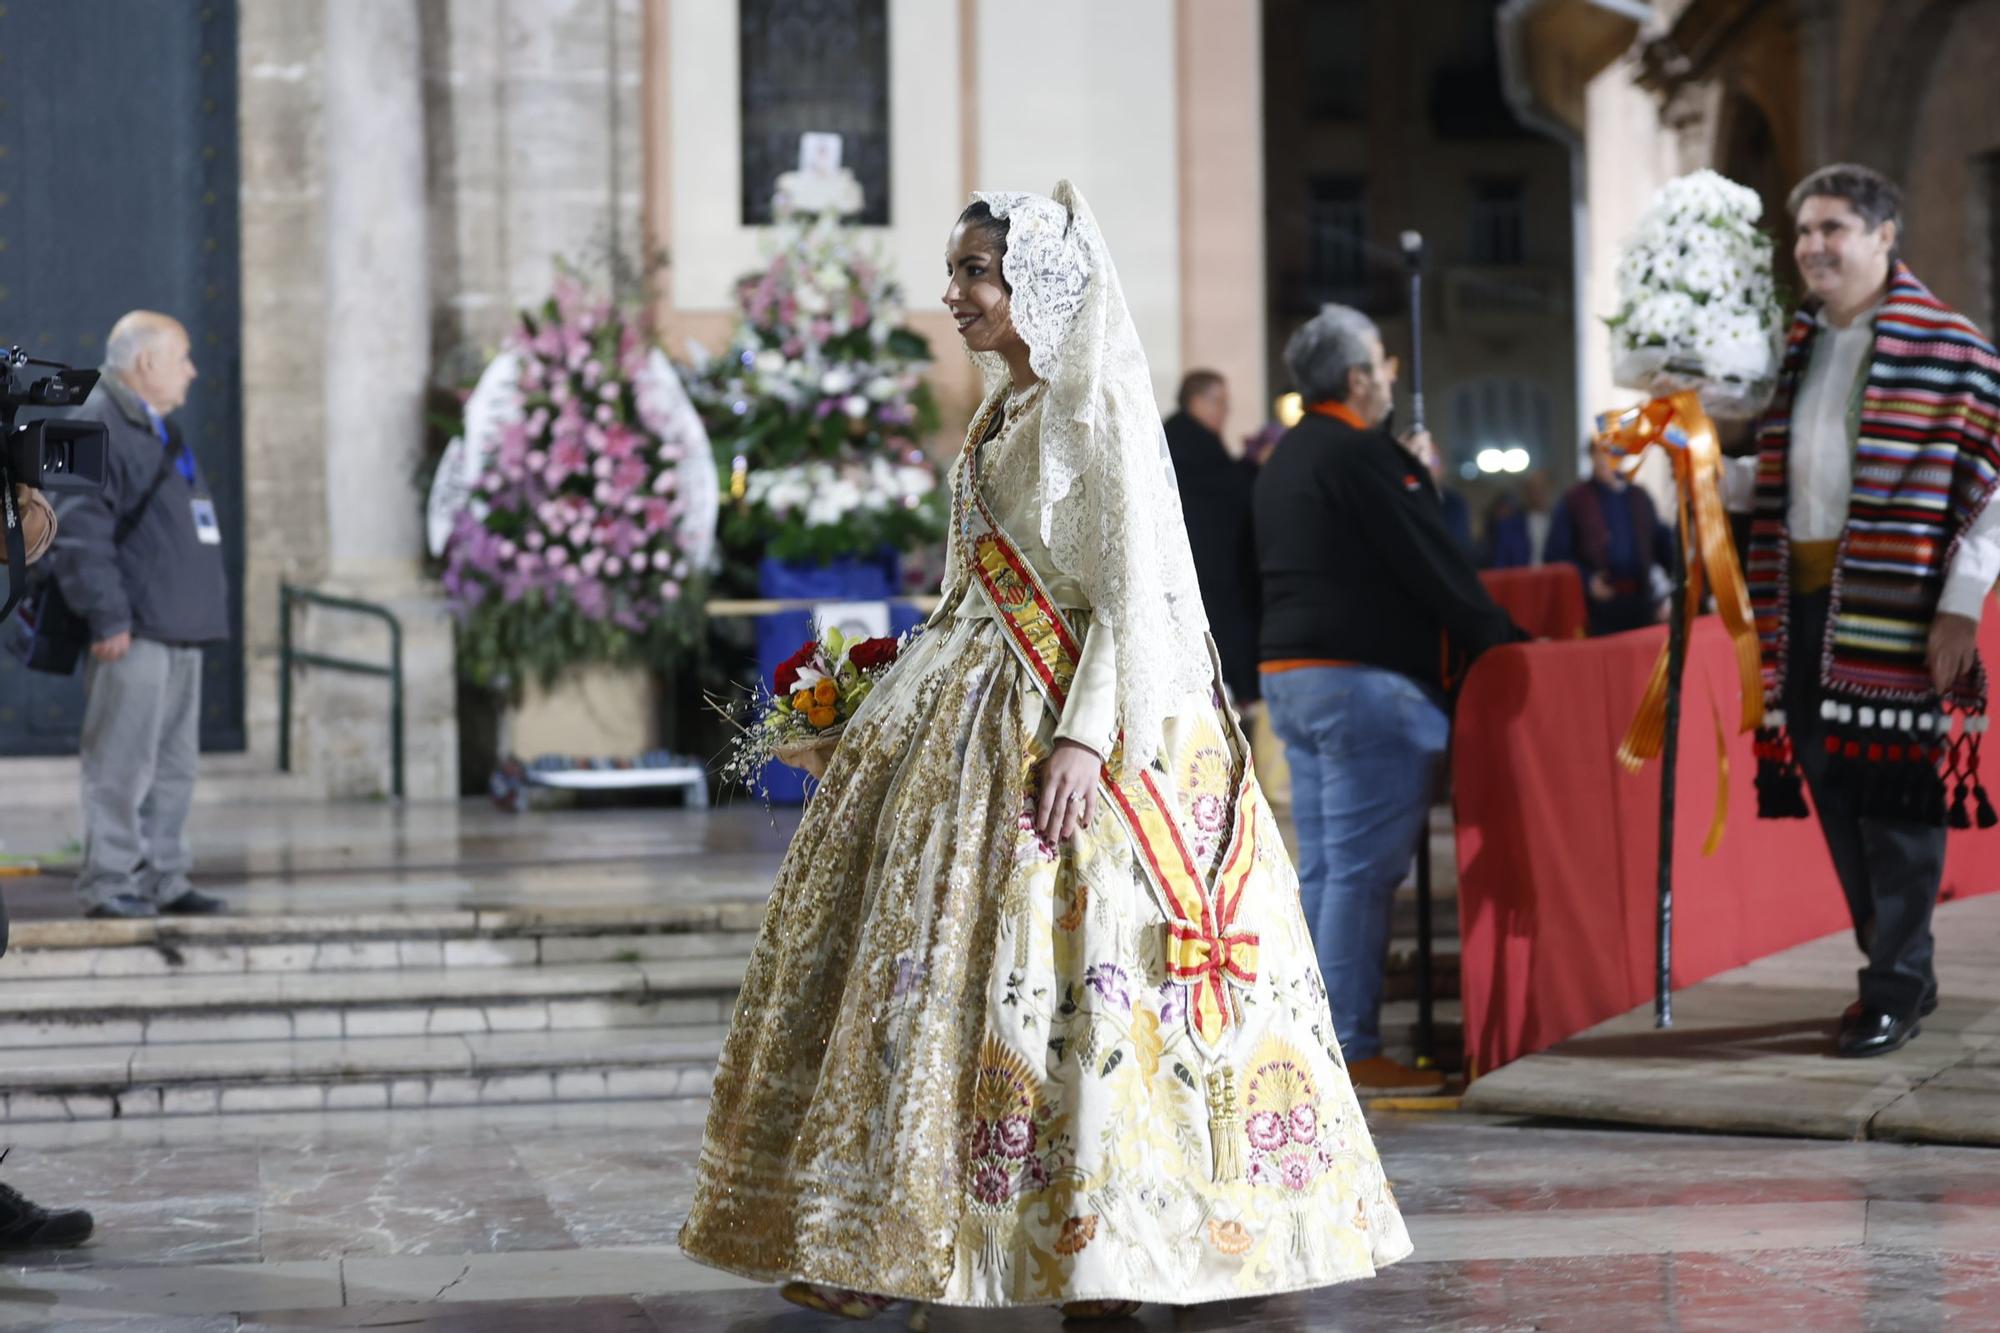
<point>1069,791</point>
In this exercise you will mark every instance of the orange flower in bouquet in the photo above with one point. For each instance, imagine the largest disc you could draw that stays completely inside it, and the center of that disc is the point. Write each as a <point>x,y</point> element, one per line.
<point>813,693</point>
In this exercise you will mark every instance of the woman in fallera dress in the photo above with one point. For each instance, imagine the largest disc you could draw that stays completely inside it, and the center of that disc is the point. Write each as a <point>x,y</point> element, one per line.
<point>1034,1018</point>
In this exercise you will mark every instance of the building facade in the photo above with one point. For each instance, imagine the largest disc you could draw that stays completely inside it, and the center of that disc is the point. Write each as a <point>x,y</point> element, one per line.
<point>1151,109</point>
<point>412,169</point>
<point>1383,118</point>
<point>1764,91</point>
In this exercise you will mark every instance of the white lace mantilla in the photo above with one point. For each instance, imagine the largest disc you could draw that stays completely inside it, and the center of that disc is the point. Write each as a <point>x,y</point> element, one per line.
<point>1110,508</point>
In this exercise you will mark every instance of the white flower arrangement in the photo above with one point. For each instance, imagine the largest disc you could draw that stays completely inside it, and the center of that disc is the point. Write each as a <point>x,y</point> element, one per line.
<point>821,495</point>
<point>1697,303</point>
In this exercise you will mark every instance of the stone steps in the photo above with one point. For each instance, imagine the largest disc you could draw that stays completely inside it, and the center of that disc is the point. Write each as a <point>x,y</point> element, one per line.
<point>54,783</point>
<point>276,1006</point>
<point>379,1073</point>
<point>483,938</point>
<point>327,1011</point>
<point>319,1012</point>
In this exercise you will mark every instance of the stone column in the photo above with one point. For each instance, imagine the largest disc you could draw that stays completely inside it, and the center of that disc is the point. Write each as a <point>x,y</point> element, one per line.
<point>378,293</point>
<point>1221,130</point>
<point>377,362</point>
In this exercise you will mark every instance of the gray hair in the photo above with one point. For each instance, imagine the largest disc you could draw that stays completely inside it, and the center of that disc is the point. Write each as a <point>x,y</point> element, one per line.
<point>132,335</point>
<point>1325,348</point>
<point>1867,191</point>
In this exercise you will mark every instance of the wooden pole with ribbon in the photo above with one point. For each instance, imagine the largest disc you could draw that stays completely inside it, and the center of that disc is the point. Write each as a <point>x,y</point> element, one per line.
<point>1679,425</point>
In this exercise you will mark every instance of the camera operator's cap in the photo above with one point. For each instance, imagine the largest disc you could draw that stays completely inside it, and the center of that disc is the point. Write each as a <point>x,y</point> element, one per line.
<point>38,523</point>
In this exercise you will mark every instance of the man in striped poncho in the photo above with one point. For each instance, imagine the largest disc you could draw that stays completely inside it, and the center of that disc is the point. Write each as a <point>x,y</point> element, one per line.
<point>1871,553</point>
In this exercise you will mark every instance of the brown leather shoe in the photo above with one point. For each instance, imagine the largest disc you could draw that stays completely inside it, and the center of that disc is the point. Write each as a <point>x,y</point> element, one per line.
<point>1379,1076</point>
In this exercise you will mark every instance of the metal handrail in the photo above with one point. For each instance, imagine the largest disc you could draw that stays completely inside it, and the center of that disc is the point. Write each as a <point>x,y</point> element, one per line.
<point>288,658</point>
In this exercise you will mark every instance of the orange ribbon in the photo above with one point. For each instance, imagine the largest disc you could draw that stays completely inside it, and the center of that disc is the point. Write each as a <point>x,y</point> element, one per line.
<point>1677,424</point>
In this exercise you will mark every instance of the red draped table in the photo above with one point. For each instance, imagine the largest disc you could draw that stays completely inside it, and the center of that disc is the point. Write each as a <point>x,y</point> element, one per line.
<point>1546,601</point>
<point>1557,843</point>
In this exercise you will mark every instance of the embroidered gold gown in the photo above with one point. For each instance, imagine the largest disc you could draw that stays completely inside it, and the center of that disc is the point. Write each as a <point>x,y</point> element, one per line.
<point>960,1071</point>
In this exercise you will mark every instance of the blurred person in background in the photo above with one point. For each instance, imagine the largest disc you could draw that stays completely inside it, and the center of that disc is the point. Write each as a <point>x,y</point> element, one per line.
<point>1609,530</point>
<point>1215,490</point>
<point>1517,525</point>
<point>1372,609</point>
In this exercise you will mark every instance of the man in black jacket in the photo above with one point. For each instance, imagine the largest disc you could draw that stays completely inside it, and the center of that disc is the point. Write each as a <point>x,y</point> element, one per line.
<point>1371,612</point>
<point>1215,491</point>
<point>152,600</point>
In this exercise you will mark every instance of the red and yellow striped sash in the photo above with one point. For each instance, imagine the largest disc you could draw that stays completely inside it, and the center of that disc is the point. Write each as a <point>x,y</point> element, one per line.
<point>1206,950</point>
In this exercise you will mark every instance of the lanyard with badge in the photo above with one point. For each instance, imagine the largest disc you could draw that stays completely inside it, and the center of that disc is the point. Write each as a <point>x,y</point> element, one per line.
<point>206,530</point>
<point>201,506</point>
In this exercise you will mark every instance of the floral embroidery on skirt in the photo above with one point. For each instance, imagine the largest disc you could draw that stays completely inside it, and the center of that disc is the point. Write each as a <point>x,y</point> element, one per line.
<point>959,1072</point>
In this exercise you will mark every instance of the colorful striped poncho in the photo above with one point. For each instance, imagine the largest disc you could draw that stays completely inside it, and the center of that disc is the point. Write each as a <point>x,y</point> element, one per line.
<point>1926,461</point>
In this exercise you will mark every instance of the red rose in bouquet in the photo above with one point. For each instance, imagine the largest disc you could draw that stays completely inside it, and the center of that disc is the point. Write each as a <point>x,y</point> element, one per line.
<point>787,674</point>
<point>872,654</point>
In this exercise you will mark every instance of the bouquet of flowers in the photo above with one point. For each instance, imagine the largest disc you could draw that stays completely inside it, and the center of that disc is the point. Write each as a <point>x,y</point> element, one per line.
<point>818,406</point>
<point>576,515</point>
<point>812,694</point>
<point>1697,303</point>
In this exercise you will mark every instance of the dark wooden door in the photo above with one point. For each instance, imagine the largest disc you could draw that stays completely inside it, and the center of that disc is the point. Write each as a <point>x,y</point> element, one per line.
<point>118,191</point>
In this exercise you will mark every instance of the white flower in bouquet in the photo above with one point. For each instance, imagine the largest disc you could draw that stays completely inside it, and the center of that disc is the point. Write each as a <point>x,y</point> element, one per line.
<point>1708,277</point>
<point>1741,341</point>
<point>1696,300</point>
<point>1661,317</point>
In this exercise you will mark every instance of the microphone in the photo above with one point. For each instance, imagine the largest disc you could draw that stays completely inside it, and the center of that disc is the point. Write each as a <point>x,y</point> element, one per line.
<point>1413,256</point>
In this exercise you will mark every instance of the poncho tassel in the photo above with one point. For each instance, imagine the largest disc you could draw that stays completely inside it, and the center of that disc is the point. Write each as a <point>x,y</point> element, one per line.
<point>1780,785</point>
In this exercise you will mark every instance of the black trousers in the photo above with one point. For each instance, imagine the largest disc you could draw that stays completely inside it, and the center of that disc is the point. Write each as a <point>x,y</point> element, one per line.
<point>1890,869</point>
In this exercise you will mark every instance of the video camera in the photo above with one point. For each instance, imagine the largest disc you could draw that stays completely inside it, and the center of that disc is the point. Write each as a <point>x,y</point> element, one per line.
<point>49,455</point>
<point>43,454</point>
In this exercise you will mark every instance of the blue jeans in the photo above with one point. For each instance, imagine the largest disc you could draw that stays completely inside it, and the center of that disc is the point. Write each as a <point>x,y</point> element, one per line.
<point>1364,746</point>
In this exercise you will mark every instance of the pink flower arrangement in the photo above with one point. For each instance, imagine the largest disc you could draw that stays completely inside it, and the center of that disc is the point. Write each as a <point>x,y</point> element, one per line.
<point>820,403</point>
<point>574,543</point>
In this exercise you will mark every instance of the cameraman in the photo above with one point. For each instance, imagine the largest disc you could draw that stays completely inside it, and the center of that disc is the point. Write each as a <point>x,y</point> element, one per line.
<point>151,601</point>
<point>25,1225</point>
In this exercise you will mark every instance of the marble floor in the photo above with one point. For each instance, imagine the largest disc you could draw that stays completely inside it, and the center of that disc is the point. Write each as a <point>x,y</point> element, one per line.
<point>555,1218</point>
<point>563,1217</point>
<point>325,858</point>
<point>1750,1051</point>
